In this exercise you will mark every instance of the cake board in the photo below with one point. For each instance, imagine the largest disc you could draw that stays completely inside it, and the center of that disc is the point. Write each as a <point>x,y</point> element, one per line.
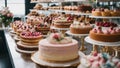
<point>23,51</point>
<point>16,38</point>
<point>81,36</point>
<point>35,58</point>
<point>27,47</point>
<point>106,45</point>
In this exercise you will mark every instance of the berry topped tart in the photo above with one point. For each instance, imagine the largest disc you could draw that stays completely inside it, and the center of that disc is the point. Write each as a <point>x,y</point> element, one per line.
<point>30,37</point>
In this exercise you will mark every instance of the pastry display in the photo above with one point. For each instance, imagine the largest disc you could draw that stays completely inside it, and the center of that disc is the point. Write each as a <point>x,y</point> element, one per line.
<point>35,20</point>
<point>106,24</point>
<point>105,12</point>
<point>111,34</point>
<point>38,7</point>
<point>33,13</point>
<point>43,28</point>
<point>30,37</point>
<point>80,28</point>
<point>85,8</point>
<point>99,60</point>
<point>57,48</point>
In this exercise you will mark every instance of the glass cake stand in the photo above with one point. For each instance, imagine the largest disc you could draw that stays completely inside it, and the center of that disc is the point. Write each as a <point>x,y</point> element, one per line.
<point>81,36</point>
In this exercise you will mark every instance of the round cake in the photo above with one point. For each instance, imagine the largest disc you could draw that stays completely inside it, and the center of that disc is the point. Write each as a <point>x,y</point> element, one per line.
<point>80,28</point>
<point>105,35</point>
<point>99,60</point>
<point>62,22</point>
<point>43,28</point>
<point>58,48</point>
<point>30,37</point>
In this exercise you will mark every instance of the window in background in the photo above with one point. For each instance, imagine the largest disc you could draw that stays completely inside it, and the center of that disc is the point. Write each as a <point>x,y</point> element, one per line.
<point>17,7</point>
<point>2,3</point>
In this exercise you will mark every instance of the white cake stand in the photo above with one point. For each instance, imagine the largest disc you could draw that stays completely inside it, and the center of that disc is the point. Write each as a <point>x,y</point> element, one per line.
<point>99,43</point>
<point>36,58</point>
<point>81,36</point>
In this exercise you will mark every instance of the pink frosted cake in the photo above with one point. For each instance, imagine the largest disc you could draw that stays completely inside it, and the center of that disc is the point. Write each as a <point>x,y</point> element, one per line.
<point>58,48</point>
<point>99,60</point>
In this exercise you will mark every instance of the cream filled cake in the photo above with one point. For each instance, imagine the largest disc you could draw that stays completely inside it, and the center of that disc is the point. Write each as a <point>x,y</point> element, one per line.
<point>99,60</point>
<point>80,28</point>
<point>111,34</point>
<point>57,48</point>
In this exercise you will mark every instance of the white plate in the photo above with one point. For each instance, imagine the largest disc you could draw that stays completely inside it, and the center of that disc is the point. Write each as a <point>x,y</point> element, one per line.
<point>35,58</point>
<point>89,40</point>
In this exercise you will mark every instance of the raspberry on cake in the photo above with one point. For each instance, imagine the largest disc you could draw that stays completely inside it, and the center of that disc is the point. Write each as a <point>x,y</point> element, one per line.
<point>57,48</point>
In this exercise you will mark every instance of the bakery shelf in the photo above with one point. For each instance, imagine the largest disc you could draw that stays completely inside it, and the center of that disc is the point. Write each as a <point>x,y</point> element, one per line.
<point>110,17</point>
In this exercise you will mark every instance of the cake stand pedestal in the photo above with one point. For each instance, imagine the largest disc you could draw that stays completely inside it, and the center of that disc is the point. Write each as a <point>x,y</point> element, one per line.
<point>26,49</point>
<point>81,36</point>
<point>36,58</point>
<point>63,30</point>
<point>106,45</point>
<point>16,38</point>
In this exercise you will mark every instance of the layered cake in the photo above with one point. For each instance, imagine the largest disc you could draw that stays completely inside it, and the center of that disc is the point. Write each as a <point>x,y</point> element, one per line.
<point>99,60</point>
<point>63,22</point>
<point>57,48</point>
<point>43,28</point>
<point>29,38</point>
<point>80,28</point>
<point>111,34</point>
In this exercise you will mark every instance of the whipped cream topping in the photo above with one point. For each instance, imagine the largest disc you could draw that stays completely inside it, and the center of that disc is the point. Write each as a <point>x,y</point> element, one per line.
<point>58,38</point>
